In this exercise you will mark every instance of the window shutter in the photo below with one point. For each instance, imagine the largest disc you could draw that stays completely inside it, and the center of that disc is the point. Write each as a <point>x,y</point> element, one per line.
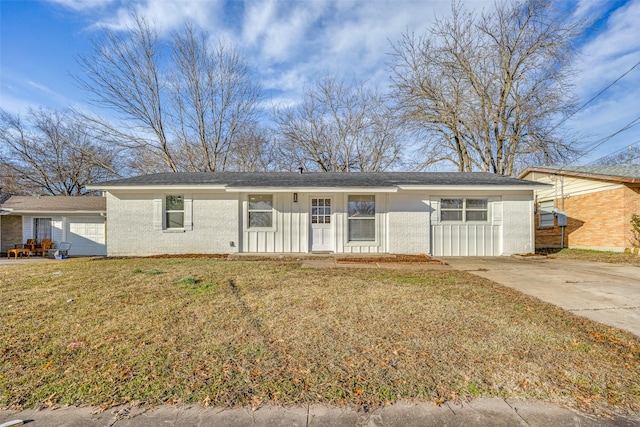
<point>435,205</point>
<point>157,214</point>
<point>496,208</point>
<point>188,212</point>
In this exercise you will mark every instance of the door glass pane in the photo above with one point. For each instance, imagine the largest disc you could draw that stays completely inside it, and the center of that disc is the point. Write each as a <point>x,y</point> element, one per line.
<point>322,213</point>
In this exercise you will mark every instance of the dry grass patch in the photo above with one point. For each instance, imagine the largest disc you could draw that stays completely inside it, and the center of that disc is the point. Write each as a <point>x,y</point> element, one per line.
<point>589,255</point>
<point>236,333</point>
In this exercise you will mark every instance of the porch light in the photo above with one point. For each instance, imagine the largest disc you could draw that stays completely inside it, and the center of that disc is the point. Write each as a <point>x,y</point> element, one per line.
<point>295,197</point>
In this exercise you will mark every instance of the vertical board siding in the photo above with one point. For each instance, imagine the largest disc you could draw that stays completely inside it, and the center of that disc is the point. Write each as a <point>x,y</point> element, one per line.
<point>465,239</point>
<point>292,231</point>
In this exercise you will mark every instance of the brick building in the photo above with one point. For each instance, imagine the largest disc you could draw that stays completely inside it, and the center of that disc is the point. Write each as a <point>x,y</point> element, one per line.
<point>597,202</point>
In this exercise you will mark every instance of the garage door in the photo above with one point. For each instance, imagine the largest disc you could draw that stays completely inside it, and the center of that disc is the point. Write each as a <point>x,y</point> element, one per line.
<point>87,236</point>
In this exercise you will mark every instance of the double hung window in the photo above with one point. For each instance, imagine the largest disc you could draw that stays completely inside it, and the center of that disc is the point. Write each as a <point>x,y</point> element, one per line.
<point>174,211</point>
<point>362,218</point>
<point>260,211</point>
<point>464,210</point>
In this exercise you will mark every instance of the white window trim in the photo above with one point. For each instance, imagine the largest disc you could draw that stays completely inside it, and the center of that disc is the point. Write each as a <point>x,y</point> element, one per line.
<point>165,211</point>
<point>375,220</point>
<point>160,213</point>
<point>272,211</point>
<point>464,211</point>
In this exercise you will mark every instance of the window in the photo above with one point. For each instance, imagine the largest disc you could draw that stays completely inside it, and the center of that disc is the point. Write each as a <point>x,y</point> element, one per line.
<point>174,211</point>
<point>464,210</point>
<point>362,218</point>
<point>41,228</point>
<point>321,211</point>
<point>260,211</point>
<point>545,214</point>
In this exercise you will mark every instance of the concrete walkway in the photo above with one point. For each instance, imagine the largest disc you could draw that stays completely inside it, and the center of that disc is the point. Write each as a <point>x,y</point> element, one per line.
<point>604,292</point>
<point>480,412</point>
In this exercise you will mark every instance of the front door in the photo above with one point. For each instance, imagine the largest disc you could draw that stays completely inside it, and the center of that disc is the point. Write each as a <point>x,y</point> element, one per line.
<point>321,224</point>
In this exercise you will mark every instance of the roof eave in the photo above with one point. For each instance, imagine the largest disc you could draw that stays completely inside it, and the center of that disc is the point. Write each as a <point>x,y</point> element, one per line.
<point>562,172</point>
<point>466,187</point>
<point>57,211</point>
<point>162,187</point>
<point>312,189</point>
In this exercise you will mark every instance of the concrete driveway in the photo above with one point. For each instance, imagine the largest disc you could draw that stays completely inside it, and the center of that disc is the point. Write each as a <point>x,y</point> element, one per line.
<point>604,292</point>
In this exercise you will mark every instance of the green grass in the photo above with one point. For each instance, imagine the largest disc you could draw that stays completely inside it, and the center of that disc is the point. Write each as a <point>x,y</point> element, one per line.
<point>233,333</point>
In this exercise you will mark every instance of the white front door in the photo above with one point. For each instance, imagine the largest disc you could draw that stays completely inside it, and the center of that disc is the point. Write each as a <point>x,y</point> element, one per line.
<point>321,224</point>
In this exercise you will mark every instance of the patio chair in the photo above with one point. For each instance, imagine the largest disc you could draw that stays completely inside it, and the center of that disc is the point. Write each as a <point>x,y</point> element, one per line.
<point>31,245</point>
<point>43,247</point>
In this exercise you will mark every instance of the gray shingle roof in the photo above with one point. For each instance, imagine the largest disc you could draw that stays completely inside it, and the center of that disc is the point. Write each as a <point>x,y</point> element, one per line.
<point>289,179</point>
<point>55,203</point>
<point>617,173</point>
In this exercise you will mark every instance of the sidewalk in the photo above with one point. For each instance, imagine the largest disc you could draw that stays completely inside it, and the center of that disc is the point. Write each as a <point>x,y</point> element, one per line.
<point>480,412</point>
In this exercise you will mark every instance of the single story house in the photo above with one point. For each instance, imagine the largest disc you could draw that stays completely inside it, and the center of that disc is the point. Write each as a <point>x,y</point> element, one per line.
<point>442,214</point>
<point>79,220</point>
<point>586,207</point>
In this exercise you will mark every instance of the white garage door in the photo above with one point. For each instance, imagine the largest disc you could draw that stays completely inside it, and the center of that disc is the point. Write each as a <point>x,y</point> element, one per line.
<point>86,235</point>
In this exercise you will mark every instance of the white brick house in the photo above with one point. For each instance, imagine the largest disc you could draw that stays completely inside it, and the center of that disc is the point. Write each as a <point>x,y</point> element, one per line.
<point>441,214</point>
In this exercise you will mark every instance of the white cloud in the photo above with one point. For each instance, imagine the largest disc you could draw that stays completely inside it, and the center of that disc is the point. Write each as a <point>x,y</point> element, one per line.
<point>167,15</point>
<point>612,51</point>
<point>82,5</point>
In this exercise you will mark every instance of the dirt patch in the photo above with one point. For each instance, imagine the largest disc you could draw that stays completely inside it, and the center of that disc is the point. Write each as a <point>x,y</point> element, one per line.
<point>396,259</point>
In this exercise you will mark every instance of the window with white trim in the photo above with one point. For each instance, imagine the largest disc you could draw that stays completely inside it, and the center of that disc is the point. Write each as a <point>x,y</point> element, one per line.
<point>174,211</point>
<point>545,214</point>
<point>260,211</point>
<point>362,218</point>
<point>464,210</point>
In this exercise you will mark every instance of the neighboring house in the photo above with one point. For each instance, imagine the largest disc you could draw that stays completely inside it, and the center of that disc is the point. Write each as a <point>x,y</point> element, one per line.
<point>226,212</point>
<point>596,201</point>
<point>76,219</point>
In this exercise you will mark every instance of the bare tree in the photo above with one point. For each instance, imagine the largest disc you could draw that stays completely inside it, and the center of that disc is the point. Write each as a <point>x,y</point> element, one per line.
<point>484,91</point>
<point>254,151</point>
<point>214,99</point>
<point>183,112</point>
<point>628,157</point>
<point>54,153</point>
<point>122,72</point>
<point>339,128</point>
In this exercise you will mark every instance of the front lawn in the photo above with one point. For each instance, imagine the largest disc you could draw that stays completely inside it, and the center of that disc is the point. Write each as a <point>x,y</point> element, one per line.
<point>229,333</point>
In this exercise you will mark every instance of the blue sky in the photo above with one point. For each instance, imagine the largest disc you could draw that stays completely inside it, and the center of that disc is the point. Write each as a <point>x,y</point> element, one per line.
<point>292,43</point>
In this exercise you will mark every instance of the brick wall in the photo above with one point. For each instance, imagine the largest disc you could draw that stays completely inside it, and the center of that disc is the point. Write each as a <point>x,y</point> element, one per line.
<point>596,220</point>
<point>10,232</point>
